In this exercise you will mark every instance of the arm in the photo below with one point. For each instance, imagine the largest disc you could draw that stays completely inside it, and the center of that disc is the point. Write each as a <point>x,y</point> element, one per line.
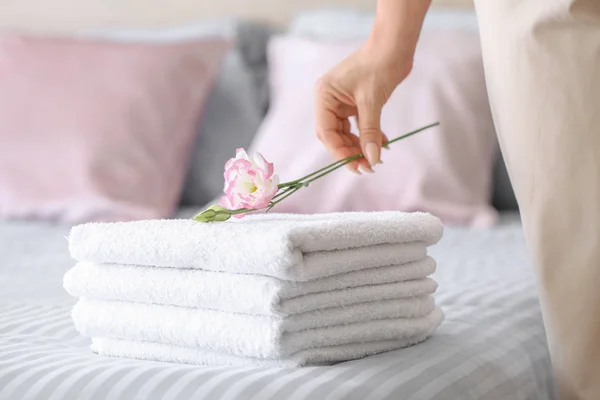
<point>361,85</point>
<point>396,31</point>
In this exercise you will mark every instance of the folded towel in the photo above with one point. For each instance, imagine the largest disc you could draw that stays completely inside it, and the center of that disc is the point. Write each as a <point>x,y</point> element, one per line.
<point>247,335</point>
<point>248,294</point>
<point>287,246</point>
<point>152,351</point>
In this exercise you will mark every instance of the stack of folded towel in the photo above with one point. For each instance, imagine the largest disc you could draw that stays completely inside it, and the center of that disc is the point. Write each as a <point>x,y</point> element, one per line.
<point>271,289</point>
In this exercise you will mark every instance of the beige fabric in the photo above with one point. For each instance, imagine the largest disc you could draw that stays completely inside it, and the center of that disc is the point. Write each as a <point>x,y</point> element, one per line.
<point>542,61</point>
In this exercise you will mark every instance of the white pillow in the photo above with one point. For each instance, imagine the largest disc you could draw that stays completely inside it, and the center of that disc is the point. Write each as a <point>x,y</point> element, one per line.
<point>341,23</point>
<point>224,27</point>
<point>445,171</point>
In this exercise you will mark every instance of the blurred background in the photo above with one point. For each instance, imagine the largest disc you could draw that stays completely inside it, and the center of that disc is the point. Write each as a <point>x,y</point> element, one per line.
<point>70,15</point>
<point>128,110</point>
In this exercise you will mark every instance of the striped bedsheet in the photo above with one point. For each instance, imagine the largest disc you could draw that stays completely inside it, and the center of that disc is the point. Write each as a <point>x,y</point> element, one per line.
<point>491,346</point>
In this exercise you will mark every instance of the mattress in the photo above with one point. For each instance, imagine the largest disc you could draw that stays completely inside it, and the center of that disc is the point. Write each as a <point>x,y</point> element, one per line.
<point>491,346</point>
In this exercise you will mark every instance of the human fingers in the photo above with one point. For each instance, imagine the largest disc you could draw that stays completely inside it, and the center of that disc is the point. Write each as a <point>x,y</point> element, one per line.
<point>332,126</point>
<point>362,163</point>
<point>369,120</point>
<point>336,141</point>
<point>384,142</point>
<point>353,146</point>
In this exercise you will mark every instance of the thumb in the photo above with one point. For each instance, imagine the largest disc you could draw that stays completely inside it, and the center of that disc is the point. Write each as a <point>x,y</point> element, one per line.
<point>369,127</point>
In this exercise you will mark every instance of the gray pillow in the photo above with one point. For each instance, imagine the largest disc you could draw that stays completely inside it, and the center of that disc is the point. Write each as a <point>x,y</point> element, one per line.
<point>232,114</point>
<point>252,42</point>
<point>229,120</point>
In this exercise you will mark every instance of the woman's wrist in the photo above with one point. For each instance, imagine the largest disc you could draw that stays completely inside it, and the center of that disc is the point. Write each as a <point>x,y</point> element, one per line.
<point>395,33</point>
<point>394,55</point>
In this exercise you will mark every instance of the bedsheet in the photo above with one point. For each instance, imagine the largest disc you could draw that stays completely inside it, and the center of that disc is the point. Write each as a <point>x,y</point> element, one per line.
<point>491,346</point>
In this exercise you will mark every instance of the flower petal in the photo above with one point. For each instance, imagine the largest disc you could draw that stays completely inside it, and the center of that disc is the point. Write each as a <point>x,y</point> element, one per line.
<point>263,165</point>
<point>240,154</point>
<point>224,202</point>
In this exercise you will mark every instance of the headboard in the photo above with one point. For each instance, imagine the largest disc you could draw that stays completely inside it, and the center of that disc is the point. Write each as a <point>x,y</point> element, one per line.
<point>75,15</point>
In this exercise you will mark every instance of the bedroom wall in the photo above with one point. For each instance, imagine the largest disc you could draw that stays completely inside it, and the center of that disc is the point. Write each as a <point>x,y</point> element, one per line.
<point>72,15</point>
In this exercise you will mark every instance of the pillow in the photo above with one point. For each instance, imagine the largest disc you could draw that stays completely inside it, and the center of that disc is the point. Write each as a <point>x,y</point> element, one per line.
<point>233,113</point>
<point>206,29</point>
<point>346,23</point>
<point>98,131</point>
<point>235,106</point>
<point>230,119</point>
<point>445,171</point>
<point>252,40</point>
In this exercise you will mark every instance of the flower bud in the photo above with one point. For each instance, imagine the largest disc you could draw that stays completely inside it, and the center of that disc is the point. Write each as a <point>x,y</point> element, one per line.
<point>214,213</point>
<point>221,213</point>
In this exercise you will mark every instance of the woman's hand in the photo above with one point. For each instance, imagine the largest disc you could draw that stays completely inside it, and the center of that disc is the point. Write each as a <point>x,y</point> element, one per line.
<point>357,87</point>
<point>361,84</point>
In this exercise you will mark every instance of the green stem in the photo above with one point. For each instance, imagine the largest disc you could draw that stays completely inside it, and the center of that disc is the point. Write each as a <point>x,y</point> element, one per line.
<point>332,167</point>
<point>345,162</point>
<point>282,192</point>
<point>410,134</point>
<point>296,185</point>
<point>294,182</point>
<point>289,193</point>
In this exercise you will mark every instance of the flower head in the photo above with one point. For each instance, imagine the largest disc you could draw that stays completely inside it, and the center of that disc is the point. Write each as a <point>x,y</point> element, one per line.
<point>250,183</point>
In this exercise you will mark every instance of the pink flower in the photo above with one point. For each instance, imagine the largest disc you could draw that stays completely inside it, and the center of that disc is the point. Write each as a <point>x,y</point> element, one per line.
<point>249,182</point>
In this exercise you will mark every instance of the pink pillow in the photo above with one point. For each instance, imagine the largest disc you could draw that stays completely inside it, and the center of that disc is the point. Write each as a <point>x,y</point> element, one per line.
<point>98,131</point>
<point>446,171</point>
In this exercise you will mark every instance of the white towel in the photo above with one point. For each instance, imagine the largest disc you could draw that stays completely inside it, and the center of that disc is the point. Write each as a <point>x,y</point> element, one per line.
<point>249,294</point>
<point>246,335</point>
<point>150,351</point>
<point>288,246</point>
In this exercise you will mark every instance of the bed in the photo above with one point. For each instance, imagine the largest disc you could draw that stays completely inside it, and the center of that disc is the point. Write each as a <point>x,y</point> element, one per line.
<point>492,345</point>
